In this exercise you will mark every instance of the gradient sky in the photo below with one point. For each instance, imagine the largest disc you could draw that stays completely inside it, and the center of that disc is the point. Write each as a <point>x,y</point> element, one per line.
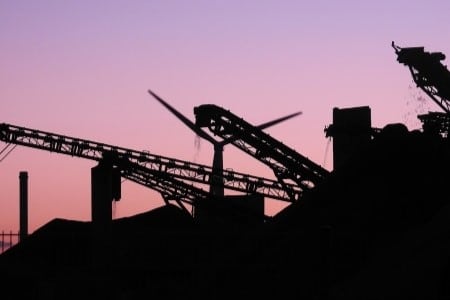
<point>83,68</point>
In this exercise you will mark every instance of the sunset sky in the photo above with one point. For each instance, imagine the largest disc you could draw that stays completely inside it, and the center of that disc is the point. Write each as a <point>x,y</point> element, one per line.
<point>83,68</point>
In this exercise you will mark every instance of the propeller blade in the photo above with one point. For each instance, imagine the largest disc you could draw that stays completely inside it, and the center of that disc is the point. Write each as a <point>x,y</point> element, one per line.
<point>279,120</point>
<point>183,119</point>
<point>264,126</point>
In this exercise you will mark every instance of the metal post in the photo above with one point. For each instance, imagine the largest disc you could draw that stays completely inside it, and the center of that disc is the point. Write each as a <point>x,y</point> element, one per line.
<point>23,178</point>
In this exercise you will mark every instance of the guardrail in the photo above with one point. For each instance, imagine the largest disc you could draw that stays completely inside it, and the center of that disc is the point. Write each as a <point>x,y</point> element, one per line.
<point>8,239</point>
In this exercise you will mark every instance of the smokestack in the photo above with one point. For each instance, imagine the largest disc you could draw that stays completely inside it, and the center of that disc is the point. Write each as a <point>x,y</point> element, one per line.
<point>23,231</point>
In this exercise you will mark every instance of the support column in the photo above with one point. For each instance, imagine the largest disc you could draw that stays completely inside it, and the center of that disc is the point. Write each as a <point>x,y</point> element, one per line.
<point>23,205</point>
<point>101,213</point>
<point>101,194</point>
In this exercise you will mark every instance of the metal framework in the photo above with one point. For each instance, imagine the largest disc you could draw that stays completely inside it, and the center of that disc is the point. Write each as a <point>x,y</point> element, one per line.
<point>427,72</point>
<point>173,178</point>
<point>287,164</point>
<point>433,78</point>
<point>436,122</point>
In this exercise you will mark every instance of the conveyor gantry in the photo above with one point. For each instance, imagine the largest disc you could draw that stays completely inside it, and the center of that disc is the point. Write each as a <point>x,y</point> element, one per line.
<point>173,178</point>
<point>427,72</point>
<point>433,78</point>
<point>287,164</point>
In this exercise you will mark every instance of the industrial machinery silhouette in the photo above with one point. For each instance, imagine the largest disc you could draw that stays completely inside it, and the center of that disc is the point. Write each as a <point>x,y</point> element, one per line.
<point>217,185</point>
<point>433,78</point>
<point>173,178</point>
<point>288,165</point>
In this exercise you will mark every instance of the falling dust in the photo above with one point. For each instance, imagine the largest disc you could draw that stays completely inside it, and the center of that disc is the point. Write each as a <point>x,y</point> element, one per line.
<point>418,103</point>
<point>115,205</point>
<point>327,147</point>
<point>114,210</point>
<point>197,146</point>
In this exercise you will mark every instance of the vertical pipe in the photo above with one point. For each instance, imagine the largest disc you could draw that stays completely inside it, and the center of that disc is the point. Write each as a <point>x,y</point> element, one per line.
<point>23,231</point>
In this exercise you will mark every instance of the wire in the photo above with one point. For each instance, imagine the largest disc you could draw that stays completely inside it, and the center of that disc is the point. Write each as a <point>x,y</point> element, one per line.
<point>6,147</point>
<point>7,153</point>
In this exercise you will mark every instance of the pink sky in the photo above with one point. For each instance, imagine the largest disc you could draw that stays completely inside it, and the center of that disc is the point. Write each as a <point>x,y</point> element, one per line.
<point>82,68</point>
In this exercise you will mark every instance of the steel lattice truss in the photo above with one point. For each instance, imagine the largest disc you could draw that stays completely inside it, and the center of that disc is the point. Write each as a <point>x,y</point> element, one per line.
<point>287,164</point>
<point>173,178</point>
<point>428,73</point>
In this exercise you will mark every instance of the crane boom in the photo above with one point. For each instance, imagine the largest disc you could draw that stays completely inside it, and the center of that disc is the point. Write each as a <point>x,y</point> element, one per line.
<point>286,163</point>
<point>164,174</point>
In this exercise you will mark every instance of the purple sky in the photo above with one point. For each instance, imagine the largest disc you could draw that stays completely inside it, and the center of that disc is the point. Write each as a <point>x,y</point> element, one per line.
<point>82,68</point>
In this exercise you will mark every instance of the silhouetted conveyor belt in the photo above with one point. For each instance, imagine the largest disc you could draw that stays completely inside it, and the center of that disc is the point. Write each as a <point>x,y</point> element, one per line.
<point>156,166</point>
<point>170,187</point>
<point>428,73</point>
<point>286,163</point>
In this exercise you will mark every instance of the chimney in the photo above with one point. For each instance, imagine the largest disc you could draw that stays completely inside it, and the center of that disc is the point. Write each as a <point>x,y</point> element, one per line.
<point>23,205</point>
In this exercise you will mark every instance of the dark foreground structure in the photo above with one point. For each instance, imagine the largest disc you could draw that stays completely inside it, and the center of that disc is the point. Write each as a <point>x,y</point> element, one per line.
<point>376,228</point>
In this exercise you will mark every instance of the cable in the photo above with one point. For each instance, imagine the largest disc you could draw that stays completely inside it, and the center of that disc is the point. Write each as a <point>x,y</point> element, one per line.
<point>7,153</point>
<point>6,147</point>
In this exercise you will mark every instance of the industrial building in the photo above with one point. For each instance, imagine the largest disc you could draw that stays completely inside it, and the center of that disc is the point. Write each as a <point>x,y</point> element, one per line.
<point>375,227</point>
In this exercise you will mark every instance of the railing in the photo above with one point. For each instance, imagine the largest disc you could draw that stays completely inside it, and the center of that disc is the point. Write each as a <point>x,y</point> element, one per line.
<point>8,239</point>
